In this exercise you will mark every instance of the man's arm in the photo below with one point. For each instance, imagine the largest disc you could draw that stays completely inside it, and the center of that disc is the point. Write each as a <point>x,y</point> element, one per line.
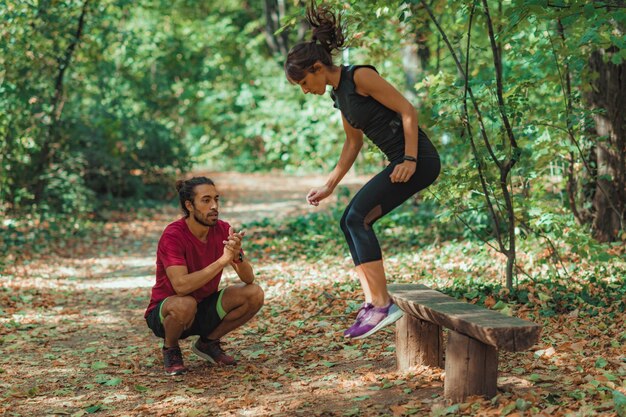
<point>244,271</point>
<point>185,283</point>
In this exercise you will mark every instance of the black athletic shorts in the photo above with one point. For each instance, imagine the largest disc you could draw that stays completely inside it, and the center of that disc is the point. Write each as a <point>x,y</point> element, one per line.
<point>208,316</point>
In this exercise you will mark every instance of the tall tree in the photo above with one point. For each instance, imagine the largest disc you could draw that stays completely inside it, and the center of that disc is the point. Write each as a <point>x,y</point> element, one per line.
<point>52,140</point>
<point>608,94</point>
<point>275,11</point>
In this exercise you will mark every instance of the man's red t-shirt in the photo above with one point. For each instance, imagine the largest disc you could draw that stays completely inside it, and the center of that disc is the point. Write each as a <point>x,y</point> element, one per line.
<point>178,246</point>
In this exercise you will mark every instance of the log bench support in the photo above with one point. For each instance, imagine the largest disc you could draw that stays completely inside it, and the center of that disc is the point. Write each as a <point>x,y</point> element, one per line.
<point>471,368</point>
<point>418,343</point>
<point>475,336</point>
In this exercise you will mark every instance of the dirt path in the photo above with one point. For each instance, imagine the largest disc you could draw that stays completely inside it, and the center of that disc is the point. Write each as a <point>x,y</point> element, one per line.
<point>80,336</point>
<point>73,341</point>
<point>245,198</point>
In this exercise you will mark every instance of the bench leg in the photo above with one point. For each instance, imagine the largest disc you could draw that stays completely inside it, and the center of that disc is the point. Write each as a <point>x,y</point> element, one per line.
<point>418,342</point>
<point>471,368</point>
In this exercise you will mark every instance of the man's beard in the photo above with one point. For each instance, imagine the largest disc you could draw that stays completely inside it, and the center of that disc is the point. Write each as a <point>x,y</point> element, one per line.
<point>205,222</point>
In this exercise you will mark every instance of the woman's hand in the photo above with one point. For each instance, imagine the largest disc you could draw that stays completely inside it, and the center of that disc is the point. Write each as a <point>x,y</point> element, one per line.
<point>318,194</point>
<point>403,172</point>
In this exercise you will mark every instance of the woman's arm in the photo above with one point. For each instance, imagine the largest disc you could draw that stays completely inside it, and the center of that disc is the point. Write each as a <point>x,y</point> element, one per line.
<point>369,83</point>
<point>351,148</point>
<point>349,152</point>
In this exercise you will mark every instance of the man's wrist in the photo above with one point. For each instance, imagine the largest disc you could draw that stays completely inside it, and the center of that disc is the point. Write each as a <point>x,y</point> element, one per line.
<point>223,261</point>
<point>238,258</point>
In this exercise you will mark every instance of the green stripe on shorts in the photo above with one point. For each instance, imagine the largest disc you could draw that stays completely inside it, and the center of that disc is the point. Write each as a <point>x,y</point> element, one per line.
<point>160,308</point>
<point>220,310</point>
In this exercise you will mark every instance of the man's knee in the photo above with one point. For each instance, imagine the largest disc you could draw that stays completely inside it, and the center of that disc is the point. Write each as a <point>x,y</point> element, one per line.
<point>181,309</point>
<point>255,296</point>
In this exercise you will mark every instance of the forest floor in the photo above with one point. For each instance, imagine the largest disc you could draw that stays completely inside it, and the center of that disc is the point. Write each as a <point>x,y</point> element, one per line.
<point>73,340</point>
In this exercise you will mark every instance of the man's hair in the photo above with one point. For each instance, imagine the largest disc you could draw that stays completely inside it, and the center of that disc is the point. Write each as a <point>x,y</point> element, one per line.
<point>186,190</point>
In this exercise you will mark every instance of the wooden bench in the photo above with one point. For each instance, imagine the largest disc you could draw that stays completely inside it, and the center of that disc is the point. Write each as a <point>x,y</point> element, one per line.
<point>476,334</point>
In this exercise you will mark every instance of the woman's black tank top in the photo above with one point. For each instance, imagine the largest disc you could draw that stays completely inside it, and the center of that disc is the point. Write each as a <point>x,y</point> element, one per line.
<point>379,123</point>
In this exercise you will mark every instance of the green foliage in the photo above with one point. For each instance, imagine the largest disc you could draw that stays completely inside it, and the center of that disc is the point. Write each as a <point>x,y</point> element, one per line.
<point>317,234</point>
<point>537,56</point>
<point>550,296</point>
<point>412,228</point>
<point>153,89</point>
<point>109,138</point>
<point>32,235</point>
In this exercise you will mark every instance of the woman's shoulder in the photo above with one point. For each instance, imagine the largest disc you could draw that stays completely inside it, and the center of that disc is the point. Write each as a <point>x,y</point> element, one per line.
<point>360,74</point>
<point>363,77</point>
<point>353,68</point>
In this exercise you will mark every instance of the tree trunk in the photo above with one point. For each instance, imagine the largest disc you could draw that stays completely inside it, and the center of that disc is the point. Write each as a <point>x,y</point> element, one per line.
<point>608,94</point>
<point>274,11</point>
<point>52,139</point>
<point>411,66</point>
<point>415,57</point>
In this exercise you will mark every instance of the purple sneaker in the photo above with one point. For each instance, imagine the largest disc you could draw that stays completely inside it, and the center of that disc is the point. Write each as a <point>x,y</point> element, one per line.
<point>375,319</point>
<point>364,309</point>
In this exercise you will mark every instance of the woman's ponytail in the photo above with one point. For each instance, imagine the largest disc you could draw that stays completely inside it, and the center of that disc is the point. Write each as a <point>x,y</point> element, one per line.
<point>327,38</point>
<point>327,28</point>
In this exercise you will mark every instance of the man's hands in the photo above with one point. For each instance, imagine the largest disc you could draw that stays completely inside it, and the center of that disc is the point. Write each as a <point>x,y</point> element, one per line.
<point>403,172</point>
<point>232,245</point>
<point>318,194</point>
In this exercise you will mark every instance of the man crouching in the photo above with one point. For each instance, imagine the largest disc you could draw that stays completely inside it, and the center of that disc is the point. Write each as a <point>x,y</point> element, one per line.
<point>185,301</point>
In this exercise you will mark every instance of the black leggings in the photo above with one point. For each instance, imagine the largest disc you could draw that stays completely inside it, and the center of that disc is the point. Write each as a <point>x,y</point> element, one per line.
<point>377,198</point>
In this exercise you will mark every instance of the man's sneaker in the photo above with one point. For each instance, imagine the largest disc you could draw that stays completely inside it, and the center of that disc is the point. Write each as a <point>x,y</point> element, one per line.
<point>212,351</point>
<point>364,309</point>
<point>173,361</point>
<point>375,319</point>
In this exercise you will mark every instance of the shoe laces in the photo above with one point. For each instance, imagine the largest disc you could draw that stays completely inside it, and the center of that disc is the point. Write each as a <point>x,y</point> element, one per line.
<point>363,310</point>
<point>217,345</point>
<point>375,314</point>
<point>173,356</point>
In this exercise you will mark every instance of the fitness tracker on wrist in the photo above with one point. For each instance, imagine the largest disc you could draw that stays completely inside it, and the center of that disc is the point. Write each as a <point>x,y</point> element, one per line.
<point>410,158</point>
<point>239,259</point>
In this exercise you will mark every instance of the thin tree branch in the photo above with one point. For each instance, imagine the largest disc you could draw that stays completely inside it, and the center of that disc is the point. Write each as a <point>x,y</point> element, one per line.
<point>58,102</point>
<point>47,150</point>
<point>571,189</point>
<point>468,126</point>
<point>617,4</point>
<point>459,218</point>
<point>506,167</point>
<point>497,62</point>
<point>444,37</point>
<point>547,239</point>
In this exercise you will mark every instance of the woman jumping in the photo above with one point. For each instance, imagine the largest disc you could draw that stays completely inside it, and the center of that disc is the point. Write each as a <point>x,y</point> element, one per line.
<point>369,105</point>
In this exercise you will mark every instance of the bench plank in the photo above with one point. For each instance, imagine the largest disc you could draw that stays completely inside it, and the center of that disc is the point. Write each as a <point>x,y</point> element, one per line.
<point>490,327</point>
